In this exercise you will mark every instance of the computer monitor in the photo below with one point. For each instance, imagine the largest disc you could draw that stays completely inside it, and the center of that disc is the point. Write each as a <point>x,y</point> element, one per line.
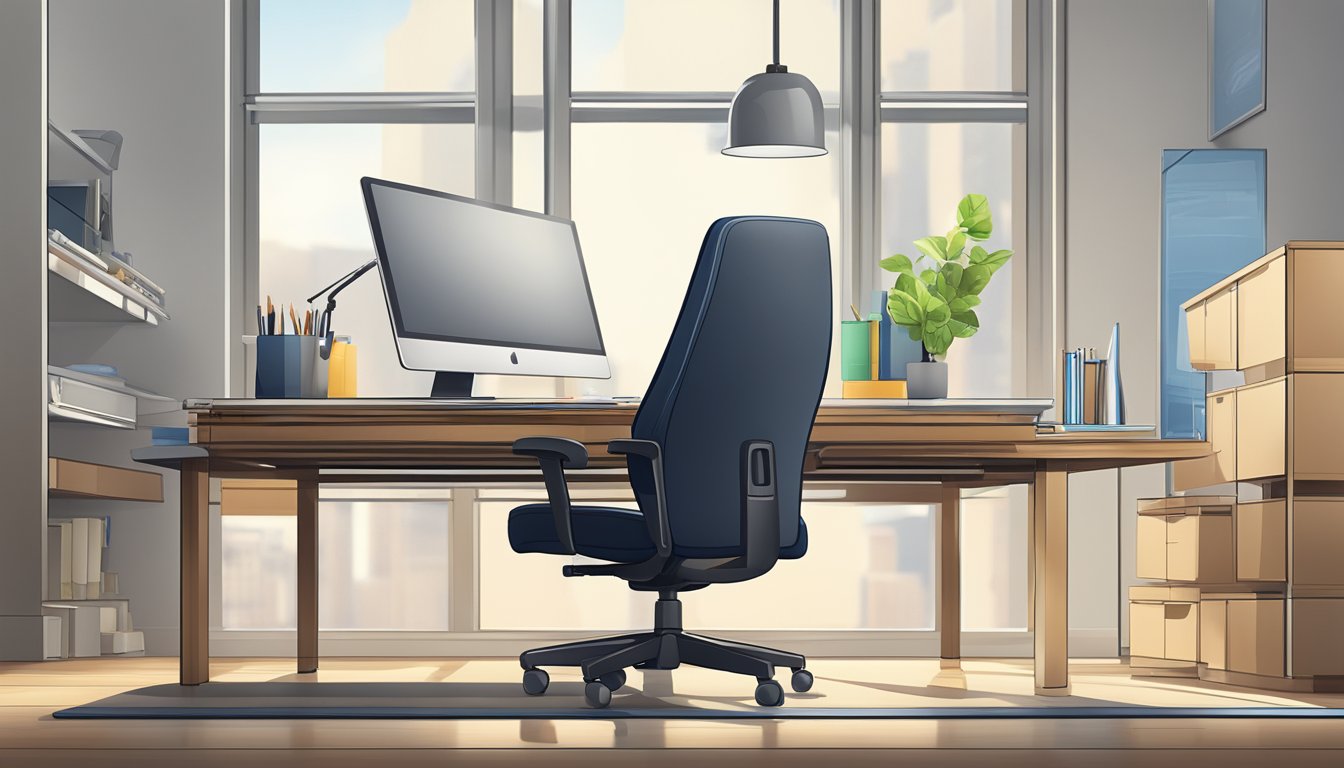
<point>473,287</point>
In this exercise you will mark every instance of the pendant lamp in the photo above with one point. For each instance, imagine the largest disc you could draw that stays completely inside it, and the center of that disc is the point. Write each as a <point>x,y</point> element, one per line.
<point>776,113</point>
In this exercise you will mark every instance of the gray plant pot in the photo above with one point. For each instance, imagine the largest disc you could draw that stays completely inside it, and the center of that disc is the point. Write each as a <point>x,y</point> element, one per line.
<point>926,381</point>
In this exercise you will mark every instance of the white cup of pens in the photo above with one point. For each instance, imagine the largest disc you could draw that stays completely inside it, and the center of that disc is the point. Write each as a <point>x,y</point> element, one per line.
<point>290,362</point>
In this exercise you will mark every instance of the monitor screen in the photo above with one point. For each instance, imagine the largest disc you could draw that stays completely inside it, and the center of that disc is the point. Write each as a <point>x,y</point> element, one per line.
<point>462,270</point>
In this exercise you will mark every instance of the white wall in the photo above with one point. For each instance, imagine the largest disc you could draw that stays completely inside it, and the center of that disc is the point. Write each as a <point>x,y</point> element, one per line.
<point>1136,85</point>
<point>23,468</point>
<point>155,70</point>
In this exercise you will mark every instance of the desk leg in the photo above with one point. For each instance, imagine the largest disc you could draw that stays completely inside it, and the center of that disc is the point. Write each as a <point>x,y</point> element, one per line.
<point>1031,565</point>
<point>1050,573</point>
<point>194,590</point>
<point>307,514</point>
<point>949,573</point>
<point>949,674</point>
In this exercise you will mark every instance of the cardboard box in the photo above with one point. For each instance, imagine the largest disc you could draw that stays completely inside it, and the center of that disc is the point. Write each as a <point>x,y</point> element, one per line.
<point>1262,422</point>
<point>1213,633</point>
<point>1164,623</point>
<point>1318,636</point>
<point>1261,533</point>
<point>1185,539</point>
<point>1255,629</point>
<point>1318,544</point>
<point>1221,431</point>
<point>1199,549</point>
<point>1150,548</point>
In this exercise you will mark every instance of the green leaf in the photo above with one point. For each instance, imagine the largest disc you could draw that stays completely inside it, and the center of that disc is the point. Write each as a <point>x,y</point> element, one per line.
<point>974,279</point>
<point>904,309</point>
<point>936,313</point>
<point>937,340</point>
<point>897,263</point>
<point>905,282</point>
<point>978,255</point>
<point>952,273</point>
<point>974,217</point>
<point>934,247</point>
<point>941,287</point>
<point>963,324</point>
<point>963,303</point>
<point>921,292</point>
<point>916,333</point>
<point>928,277</point>
<point>997,259</point>
<point>956,241</point>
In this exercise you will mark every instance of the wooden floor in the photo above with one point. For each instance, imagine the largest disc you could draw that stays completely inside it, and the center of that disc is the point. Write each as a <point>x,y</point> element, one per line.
<point>29,693</point>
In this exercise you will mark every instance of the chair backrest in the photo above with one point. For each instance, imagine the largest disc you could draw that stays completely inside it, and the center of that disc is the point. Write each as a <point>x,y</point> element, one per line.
<point>746,361</point>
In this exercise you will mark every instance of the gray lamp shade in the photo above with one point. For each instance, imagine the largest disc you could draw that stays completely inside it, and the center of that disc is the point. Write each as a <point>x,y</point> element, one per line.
<point>776,114</point>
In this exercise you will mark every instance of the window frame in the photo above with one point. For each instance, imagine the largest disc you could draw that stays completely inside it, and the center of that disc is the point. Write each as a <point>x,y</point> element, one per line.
<point>862,111</point>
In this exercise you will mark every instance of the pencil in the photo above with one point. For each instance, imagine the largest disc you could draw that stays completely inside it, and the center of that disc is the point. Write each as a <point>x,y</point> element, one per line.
<point>295,317</point>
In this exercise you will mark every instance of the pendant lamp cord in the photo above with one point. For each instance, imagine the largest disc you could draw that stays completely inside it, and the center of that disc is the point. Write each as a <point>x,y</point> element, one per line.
<point>776,32</point>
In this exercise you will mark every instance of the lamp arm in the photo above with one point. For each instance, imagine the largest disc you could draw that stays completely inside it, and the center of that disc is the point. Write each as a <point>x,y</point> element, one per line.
<point>340,284</point>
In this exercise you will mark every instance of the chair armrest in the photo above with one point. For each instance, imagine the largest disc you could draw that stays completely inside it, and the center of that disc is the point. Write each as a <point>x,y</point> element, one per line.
<point>648,456</point>
<point>571,453</point>
<point>760,506</point>
<point>554,454</point>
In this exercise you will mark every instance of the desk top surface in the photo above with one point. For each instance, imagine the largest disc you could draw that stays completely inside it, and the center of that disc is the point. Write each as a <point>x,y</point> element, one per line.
<point>1013,406</point>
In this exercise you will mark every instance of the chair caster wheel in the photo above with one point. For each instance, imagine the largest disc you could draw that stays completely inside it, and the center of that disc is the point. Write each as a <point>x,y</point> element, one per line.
<point>535,682</point>
<point>801,681</point>
<point>614,680</point>
<point>769,693</point>
<point>596,694</point>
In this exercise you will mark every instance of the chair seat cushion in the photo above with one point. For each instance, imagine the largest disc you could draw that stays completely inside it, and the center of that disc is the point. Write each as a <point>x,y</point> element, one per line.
<point>614,534</point>
<point>607,533</point>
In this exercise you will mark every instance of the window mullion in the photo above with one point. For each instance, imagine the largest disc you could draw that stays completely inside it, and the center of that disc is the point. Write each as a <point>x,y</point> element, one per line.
<point>859,149</point>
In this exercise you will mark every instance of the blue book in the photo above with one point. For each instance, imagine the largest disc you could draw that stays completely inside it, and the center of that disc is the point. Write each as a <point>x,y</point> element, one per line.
<point>895,348</point>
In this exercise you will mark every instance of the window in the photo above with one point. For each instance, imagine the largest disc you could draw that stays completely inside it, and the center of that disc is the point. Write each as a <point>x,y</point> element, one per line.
<point>953,122</point>
<point>950,45</point>
<point>887,584</point>
<point>388,89</point>
<point>381,565</point>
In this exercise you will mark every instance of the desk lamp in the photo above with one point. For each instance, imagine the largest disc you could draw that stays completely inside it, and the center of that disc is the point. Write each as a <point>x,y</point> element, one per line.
<point>324,318</point>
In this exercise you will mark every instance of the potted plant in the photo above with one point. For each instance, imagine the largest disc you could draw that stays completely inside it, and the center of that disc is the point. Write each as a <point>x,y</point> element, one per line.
<point>935,296</point>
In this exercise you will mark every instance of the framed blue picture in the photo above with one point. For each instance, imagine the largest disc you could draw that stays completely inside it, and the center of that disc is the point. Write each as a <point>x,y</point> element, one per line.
<point>1236,63</point>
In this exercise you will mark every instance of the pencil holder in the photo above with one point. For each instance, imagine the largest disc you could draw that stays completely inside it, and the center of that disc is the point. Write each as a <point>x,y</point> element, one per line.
<point>856,361</point>
<point>290,366</point>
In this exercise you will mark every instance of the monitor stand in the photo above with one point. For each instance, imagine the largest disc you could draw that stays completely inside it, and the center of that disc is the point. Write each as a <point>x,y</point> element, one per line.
<point>454,385</point>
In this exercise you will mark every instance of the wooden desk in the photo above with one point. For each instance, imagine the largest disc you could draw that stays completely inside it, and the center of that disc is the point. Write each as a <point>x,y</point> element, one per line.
<point>957,443</point>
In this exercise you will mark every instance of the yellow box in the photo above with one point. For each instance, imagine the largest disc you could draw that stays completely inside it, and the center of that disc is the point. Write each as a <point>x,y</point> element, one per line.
<point>342,379</point>
<point>875,390</point>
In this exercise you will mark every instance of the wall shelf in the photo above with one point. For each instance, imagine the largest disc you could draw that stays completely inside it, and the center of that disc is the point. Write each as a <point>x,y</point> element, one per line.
<point>68,478</point>
<point>102,400</point>
<point>78,292</point>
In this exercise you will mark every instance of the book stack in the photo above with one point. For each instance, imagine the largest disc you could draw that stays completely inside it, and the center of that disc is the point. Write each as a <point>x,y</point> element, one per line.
<point>114,264</point>
<point>75,558</point>
<point>92,620</point>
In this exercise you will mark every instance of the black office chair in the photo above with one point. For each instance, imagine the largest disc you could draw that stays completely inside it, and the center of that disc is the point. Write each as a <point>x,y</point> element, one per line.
<point>715,459</point>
